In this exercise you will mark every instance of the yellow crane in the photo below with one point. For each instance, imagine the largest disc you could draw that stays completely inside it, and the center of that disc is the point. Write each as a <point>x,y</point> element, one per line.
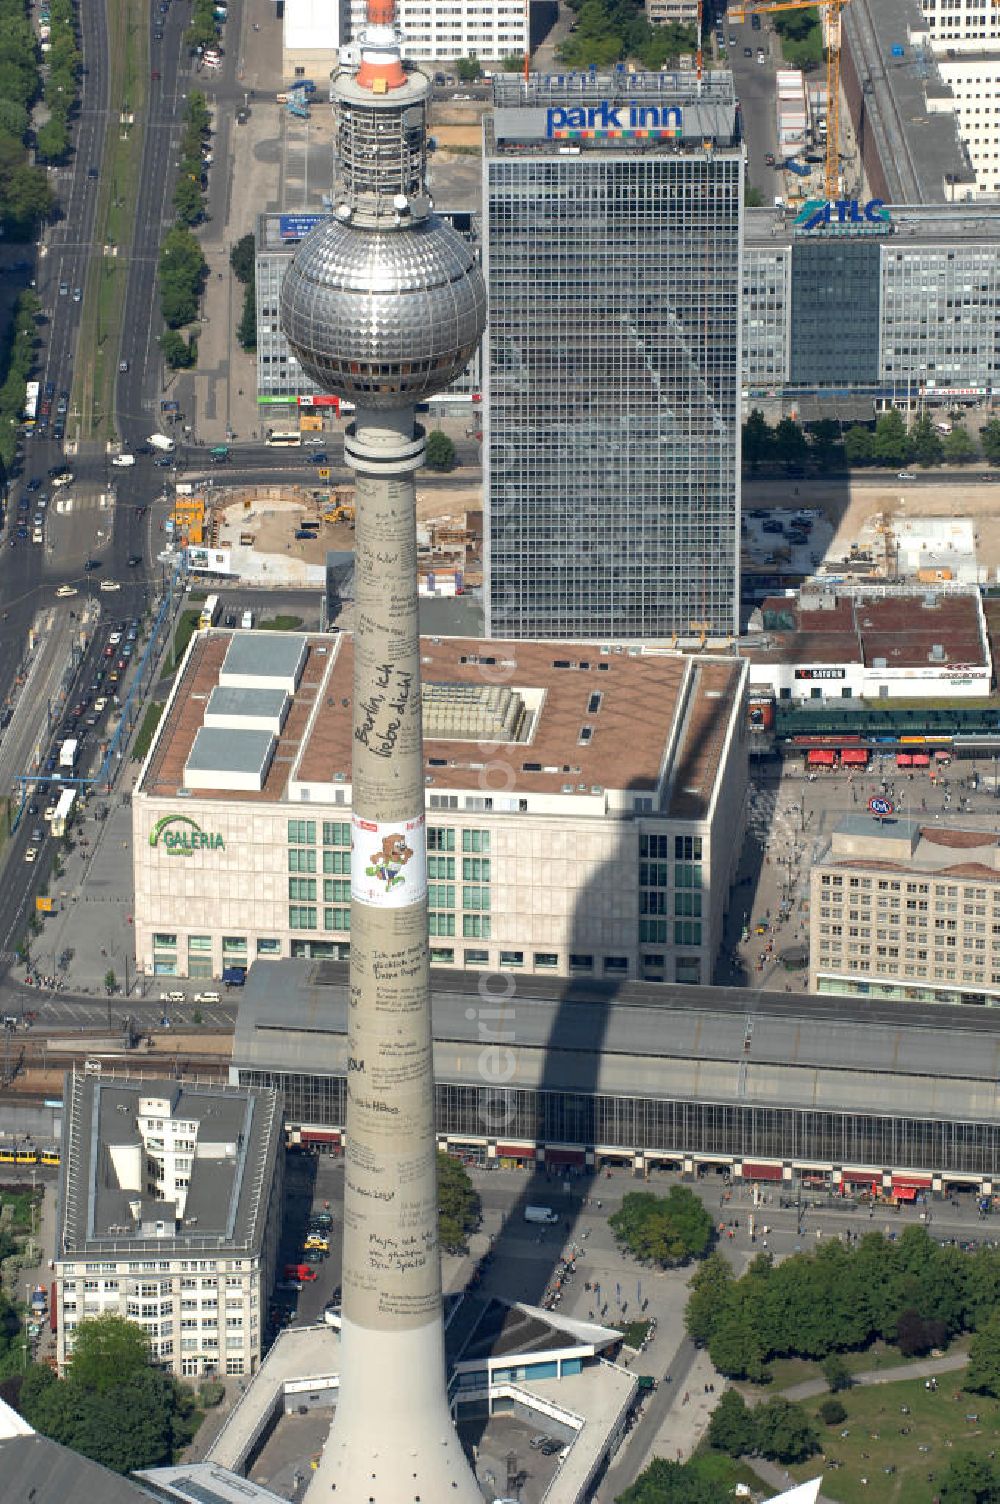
<point>832,10</point>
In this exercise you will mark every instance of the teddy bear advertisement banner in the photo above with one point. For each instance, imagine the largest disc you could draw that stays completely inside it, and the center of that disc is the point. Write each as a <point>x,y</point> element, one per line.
<point>388,862</point>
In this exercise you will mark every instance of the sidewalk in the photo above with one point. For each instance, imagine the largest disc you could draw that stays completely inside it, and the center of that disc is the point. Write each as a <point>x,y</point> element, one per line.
<point>926,1369</point>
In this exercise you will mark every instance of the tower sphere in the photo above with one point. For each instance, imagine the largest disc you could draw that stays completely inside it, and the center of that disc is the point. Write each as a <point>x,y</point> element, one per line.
<point>383,317</point>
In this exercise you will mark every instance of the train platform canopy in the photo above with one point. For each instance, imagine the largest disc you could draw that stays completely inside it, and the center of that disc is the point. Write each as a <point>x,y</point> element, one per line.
<point>649,1041</point>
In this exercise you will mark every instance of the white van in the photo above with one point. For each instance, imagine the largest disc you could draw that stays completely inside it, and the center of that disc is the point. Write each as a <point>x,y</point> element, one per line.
<point>247,621</point>
<point>123,461</point>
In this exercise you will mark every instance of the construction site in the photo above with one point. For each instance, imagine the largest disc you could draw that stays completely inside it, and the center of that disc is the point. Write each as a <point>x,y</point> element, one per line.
<point>282,535</point>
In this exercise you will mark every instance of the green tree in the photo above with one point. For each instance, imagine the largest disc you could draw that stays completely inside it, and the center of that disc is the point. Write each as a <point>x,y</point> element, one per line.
<point>52,139</point>
<point>784,1431</point>
<point>107,1351</point>
<point>825,436</point>
<point>891,442</point>
<point>969,1480</point>
<point>243,259</point>
<point>732,1428</point>
<point>859,445</point>
<point>597,40</point>
<point>983,1373</point>
<point>924,444</point>
<point>989,438</point>
<point>754,197</point>
<point>179,353</point>
<point>512,63</point>
<point>668,1229</point>
<point>189,200</point>
<point>737,1347</point>
<point>246,330</point>
<point>677,1483</point>
<point>758,440</point>
<point>959,447</point>
<point>836,1373</point>
<point>440,451</point>
<point>711,1293</point>
<point>790,447</point>
<point>832,1413</point>
<point>458,1204</point>
<point>468,69</point>
<point>113,1406</point>
<point>110,982</point>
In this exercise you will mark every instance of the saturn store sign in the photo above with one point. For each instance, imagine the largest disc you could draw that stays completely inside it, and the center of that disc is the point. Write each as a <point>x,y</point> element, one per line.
<point>179,835</point>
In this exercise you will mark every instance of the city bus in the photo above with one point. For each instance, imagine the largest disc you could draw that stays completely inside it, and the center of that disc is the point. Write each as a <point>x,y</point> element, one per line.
<point>209,612</point>
<point>31,394</point>
<point>290,439</point>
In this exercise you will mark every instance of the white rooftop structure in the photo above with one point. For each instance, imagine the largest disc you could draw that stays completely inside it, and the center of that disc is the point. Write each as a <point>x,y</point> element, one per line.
<point>247,709</point>
<point>264,660</point>
<point>235,761</point>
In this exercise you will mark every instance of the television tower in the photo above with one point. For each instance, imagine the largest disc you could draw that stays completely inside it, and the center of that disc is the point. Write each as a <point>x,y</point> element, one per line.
<point>383,305</point>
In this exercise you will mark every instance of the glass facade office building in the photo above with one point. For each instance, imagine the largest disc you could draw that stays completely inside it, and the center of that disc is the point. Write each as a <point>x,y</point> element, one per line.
<point>613,357</point>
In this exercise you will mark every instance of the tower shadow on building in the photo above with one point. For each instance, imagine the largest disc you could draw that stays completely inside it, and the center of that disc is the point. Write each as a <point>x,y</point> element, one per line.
<point>572,1124</point>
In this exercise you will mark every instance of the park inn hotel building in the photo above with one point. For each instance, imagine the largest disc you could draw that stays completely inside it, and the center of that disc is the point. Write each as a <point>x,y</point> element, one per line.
<point>584,804</point>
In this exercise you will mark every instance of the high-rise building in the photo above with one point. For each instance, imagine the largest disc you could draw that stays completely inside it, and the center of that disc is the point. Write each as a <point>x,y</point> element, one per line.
<point>613,208</point>
<point>384,305</point>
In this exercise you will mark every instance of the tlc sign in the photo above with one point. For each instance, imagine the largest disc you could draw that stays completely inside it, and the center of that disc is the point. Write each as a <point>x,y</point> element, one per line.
<point>818,213</point>
<point>607,120</point>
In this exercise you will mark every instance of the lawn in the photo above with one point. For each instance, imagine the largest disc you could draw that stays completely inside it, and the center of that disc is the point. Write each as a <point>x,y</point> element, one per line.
<point>144,739</point>
<point>937,1428</point>
<point>281,624</point>
<point>184,631</point>
<point>117,193</point>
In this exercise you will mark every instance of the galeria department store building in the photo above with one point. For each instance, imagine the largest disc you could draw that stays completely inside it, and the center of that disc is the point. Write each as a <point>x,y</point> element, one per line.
<point>584,807</point>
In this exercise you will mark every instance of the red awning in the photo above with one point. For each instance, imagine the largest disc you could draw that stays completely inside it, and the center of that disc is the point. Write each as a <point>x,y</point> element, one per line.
<point>516,1151</point>
<point>918,1182</point>
<point>819,755</point>
<point>942,756</point>
<point>905,1192</point>
<point>904,760</point>
<point>856,755</point>
<point>320,1136</point>
<point>761,1172</point>
<point>565,1157</point>
<point>863,1177</point>
<point>920,760</point>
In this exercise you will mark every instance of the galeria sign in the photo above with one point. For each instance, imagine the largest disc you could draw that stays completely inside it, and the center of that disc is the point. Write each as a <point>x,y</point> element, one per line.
<point>179,835</point>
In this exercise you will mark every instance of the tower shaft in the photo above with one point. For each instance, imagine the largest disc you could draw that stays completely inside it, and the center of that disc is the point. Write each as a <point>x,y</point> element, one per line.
<point>392,1440</point>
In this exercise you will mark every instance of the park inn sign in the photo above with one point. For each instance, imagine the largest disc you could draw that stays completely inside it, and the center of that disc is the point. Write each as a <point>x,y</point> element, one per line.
<point>186,839</point>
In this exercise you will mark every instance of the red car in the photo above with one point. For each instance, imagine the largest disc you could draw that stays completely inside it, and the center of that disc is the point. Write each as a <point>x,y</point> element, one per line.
<point>304,1272</point>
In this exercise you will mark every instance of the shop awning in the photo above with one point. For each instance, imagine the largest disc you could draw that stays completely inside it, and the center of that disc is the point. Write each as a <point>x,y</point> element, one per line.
<point>516,1151</point>
<point>854,755</point>
<point>918,1182</point>
<point>921,759</point>
<point>319,1136</point>
<point>761,1172</point>
<point>905,1192</point>
<point>942,756</point>
<point>904,760</point>
<point>565,1157</point>
<point>819,756</point>
<point>862,1177</point>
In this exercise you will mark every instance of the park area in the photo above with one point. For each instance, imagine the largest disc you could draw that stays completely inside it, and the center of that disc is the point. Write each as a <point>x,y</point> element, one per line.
<point>898,1441</point>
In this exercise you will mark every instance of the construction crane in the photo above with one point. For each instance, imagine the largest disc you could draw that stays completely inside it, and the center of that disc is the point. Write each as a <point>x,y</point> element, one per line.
<point>832,10</point>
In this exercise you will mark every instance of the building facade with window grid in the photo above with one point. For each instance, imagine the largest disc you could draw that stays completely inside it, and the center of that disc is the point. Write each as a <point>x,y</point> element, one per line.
<point>595,833</point>
<point>612,361</point>
<point>668,1076</point>
<point>916,301</point>
<point>908,912</point>
<point>170,1214</point>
